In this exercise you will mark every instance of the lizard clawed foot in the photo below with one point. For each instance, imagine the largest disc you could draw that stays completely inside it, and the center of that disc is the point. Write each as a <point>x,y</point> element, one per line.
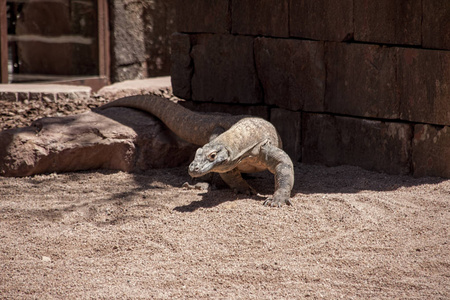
<point>276,203</point>
<point>278,200</point>
<point>246,190</point>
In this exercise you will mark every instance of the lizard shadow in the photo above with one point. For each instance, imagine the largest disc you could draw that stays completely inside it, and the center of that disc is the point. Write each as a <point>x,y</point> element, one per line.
<point>215,198</point>
<point>315,179</point>
<point>213,194</point>
<point>221,193</point>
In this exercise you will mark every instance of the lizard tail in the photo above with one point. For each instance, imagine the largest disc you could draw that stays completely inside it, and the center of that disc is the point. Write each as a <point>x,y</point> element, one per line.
<point>191,126</point>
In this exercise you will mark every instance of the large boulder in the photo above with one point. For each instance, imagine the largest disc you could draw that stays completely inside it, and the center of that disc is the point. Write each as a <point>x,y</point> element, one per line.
<point>115,138</point>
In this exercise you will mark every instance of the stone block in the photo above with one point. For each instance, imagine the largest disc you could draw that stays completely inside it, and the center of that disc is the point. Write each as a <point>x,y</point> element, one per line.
<point>60,97</point>
<point>159,20</point>
<point>22,96</point>
<point>436,24</point>
<point>209,107</point>
<point>35,96</point>
<point>292,73</point>
<point>319,139</point>
<point>36,92</point>
<point>49,97</point>
<point>127,38</point>
<point>224,69</point>
<point>288,125</point>
<point>322,19</point>
<point>139,38</point>
<point>431,150</point>
<point>181,69</point>
<point>203,16</point>
<point>273,65</point>
<point>127,72</point>
<point>361,80</point>
<point>264,17</point>
<point>388,21</point>
<point>424,85</point>
<point>373,145</point>
<point>8,95</point>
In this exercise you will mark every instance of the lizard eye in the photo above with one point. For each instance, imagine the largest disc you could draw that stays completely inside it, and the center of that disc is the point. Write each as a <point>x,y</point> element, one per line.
<point>212,156</point>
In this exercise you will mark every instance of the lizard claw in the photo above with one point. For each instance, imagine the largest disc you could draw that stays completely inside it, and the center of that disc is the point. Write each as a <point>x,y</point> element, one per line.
<point>277,201</point>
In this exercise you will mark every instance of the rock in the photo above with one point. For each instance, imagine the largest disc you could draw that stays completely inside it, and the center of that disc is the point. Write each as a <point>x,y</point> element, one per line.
<point>46,259</point>
<point>116,138</point>
<point>156,85</point>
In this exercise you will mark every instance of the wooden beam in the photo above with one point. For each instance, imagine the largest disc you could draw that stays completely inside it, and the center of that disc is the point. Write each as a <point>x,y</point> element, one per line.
<point>3,43</point>
<point>103,39</point>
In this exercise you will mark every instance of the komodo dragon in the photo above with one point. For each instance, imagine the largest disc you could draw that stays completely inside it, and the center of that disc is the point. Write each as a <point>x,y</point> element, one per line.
<point>230,144</point>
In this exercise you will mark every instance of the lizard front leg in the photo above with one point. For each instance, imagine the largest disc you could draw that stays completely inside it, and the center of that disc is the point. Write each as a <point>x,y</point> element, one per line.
<point>279,164</point>
<point>235,181</point>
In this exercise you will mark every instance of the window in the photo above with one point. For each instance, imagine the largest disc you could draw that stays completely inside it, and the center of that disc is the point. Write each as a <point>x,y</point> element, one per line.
<point>63,41</point>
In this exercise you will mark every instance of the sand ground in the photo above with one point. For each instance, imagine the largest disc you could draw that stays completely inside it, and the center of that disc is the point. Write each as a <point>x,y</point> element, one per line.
<point>351,234</point>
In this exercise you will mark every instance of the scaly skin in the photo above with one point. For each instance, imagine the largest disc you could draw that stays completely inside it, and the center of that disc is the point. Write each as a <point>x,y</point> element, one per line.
<point>231,145</point>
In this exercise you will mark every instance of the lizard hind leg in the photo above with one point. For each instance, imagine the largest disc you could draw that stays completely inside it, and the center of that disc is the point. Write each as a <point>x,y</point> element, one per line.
<point>235,181</point>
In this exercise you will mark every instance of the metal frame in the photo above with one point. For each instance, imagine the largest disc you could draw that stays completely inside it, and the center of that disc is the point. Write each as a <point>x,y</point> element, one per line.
<point>96,82</point>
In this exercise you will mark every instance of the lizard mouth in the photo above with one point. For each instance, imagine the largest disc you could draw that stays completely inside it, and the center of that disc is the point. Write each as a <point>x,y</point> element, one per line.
<point>196,170</point>
<point>200,170</point>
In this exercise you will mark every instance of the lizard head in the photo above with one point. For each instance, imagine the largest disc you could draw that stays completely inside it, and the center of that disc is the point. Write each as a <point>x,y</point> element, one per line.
<point>209,158</point>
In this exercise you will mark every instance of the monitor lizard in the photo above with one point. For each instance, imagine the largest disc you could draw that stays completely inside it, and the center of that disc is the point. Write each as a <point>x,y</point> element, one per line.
<point>230,144</point>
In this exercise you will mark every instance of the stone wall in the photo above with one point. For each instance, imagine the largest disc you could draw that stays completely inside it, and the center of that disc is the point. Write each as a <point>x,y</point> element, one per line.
<point>140,44</point>
<point>357,82</point>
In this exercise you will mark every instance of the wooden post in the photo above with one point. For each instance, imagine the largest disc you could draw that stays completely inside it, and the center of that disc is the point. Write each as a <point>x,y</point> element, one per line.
<point>103,40</point>
<point>3,43</point>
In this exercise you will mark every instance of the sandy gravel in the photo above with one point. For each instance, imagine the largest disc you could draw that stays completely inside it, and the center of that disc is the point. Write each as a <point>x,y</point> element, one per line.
<point>351,234</point>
